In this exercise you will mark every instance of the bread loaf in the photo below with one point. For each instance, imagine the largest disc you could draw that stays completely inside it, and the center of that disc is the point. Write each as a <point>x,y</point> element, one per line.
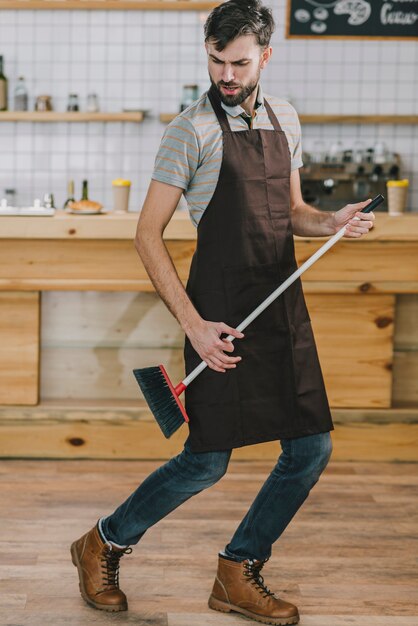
<point>85,205</point>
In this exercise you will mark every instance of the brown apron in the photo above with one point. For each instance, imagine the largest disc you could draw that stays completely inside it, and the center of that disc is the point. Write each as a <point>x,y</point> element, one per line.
<point>244,251</point>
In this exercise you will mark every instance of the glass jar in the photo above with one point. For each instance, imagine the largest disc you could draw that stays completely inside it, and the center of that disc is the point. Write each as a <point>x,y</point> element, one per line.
<point>72,104</point>
<point>92,103</point>
<point>190,93</point>
<point>318,151</point>
<point>43,103</point>
<point>335,154</point>
<point>11,197</point>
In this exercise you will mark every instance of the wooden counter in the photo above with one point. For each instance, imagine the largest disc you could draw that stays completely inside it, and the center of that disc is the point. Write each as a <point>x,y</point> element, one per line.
<point>361,298</point>
<point>97,252</point>
<point>114,225</point>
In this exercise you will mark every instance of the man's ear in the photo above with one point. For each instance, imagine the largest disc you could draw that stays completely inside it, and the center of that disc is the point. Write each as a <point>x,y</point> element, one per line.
<point>265,57</point>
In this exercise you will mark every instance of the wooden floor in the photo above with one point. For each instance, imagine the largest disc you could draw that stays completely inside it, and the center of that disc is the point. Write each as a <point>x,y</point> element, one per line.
<point>350,556</point>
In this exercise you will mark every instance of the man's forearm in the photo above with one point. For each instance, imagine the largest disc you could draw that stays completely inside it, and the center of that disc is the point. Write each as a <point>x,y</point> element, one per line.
<point>309,222</point>
<point>166,281</point>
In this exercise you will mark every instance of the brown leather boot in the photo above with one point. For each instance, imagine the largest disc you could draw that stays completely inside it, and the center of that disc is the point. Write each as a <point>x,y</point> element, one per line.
<point>97,563</point>
<point>239,587</point>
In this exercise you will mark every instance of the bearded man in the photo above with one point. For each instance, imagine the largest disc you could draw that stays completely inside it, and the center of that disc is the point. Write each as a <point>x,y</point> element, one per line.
<point>235,154</point>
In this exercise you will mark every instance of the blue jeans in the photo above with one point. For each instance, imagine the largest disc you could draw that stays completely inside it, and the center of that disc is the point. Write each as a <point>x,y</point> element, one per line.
<point>298,468</point>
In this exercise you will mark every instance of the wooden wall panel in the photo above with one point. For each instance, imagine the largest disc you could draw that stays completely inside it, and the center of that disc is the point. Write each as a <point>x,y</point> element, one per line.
<point>406,332</point>
<point>92,341</point>
<point>103,373</point>
<point>92,319</point>
<point>405,382</point>
<point>83,259</point>
<point>405,365</point>
<point>354,339</point>
<point>19,347</point>
<point>358,260</point>
<point>114,264</point>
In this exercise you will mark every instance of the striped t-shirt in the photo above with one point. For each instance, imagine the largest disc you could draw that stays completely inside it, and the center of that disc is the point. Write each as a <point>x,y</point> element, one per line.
<point>190,152</point>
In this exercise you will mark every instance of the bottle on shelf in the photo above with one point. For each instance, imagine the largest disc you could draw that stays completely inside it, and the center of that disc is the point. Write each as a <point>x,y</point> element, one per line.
<point>85,192</point>
<point>21,96</point>
<point>3,88</point>
<point>70,192</point>
<point>49,201</point>
<point>73,104</point>
<point>11,196</point>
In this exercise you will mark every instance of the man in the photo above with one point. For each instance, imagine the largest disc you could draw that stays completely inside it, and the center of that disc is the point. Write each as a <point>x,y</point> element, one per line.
<point>235,155</point>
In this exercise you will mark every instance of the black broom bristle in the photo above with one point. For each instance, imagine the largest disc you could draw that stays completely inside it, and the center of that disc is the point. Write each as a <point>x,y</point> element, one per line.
<point>163,403</point>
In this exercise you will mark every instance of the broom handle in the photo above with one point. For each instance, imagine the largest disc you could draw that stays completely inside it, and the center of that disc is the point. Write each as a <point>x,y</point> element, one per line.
<point>320,252</point>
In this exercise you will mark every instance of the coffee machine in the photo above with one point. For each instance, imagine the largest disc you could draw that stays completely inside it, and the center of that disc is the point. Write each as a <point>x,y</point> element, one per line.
<point>330,180</point>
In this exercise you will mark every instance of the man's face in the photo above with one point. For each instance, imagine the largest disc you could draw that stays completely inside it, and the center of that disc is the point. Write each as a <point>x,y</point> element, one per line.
<point>235,71</point>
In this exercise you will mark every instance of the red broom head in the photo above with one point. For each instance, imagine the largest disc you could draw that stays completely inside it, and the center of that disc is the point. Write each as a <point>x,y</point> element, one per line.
<point>175,391</point>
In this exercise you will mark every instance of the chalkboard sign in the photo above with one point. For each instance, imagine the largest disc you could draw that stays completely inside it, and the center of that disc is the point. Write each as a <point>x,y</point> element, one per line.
<point>369,19</point>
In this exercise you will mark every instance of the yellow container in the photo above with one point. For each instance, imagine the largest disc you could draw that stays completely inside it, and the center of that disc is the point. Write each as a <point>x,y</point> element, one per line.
<point>121,189</point>
<point>121,182</point>
<point>397,195</point>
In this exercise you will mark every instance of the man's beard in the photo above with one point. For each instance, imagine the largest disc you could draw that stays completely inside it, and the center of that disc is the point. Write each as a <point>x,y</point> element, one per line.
<point>243,93</point>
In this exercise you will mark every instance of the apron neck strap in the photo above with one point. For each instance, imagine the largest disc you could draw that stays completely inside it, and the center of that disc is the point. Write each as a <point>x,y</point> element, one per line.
<point>223,118</point>
<point>219,111</point>
<point>273,119</point>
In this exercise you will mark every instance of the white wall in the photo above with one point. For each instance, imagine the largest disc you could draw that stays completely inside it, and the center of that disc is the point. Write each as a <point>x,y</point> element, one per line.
<point>142,59</point>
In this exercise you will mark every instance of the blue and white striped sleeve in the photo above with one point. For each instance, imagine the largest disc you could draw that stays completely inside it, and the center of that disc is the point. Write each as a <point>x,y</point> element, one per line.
<point>178,155</point>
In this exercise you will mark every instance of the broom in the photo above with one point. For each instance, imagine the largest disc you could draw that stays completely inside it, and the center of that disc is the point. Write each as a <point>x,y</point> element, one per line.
<point>159,392</point>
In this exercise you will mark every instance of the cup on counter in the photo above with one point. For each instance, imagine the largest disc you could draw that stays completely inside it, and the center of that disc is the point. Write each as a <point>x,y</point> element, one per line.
<point>397,194</point>
<point>121,189</point>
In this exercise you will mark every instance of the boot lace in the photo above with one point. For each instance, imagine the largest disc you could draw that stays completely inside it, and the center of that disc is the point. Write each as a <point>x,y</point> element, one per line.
<point>110,565</point>
<point>252,571</point>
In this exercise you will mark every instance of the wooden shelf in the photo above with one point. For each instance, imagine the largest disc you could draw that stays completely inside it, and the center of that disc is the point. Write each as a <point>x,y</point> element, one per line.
<point>76,116</point>
<point>336,119</point>
<point>166,118</point>
<point>358,119</point>
<point>143,5</point>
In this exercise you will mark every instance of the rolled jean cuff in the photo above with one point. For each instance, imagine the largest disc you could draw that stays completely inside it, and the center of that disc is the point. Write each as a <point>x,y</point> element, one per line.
<point>105,539</point>
<point>231,555</point>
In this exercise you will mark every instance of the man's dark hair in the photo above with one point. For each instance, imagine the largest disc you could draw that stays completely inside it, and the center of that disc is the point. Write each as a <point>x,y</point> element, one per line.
<point>239,17</point>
